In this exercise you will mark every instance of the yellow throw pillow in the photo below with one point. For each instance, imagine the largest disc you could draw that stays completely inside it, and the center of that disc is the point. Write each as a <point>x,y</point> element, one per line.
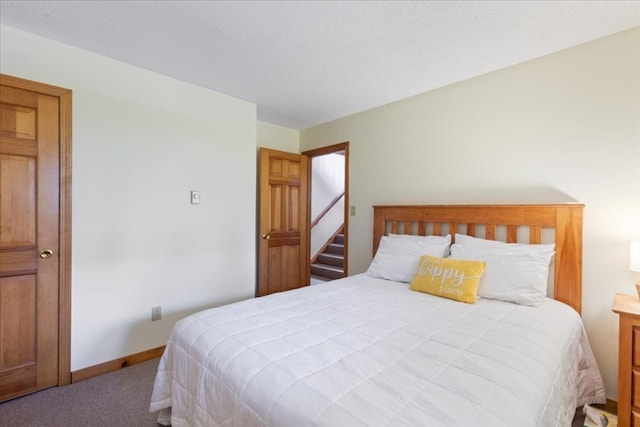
<point>456,279</point>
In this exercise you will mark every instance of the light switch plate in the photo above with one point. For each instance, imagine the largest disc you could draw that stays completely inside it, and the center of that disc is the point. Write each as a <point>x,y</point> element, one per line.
<point>195,197</point>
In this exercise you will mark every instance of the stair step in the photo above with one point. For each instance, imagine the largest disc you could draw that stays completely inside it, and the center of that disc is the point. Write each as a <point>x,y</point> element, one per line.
<point>335,248</point>
<point>339,239</point>
<point>331,259</point>
<point>328,271</point>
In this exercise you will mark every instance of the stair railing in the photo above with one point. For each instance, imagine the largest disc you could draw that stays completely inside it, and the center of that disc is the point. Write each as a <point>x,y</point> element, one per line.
<point>327,209</point>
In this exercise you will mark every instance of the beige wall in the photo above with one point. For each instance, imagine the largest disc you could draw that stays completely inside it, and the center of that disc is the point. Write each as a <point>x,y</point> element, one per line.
<point>278,137</point>
<point>141,143</point>
<point>562,128</point>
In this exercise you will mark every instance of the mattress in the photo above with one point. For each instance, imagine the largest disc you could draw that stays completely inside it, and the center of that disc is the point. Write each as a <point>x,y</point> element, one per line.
<point>362,351</point>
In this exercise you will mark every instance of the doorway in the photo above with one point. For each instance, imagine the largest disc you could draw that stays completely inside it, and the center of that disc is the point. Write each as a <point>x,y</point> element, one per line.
<point>328,207</point>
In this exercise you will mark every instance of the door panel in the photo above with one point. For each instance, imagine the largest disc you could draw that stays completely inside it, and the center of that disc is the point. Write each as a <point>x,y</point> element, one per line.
<point>282,240</point>
<point>17,186</point>
<point>29,223</point>
<point>284,267</point>
<point>18,329</point>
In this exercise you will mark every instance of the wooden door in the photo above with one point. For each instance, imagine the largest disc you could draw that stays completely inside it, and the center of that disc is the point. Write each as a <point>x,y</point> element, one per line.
<point>30,135</point>
<point>283,251</point>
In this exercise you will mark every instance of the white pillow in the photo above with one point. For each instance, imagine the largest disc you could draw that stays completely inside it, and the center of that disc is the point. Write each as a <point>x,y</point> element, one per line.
<point>515,272</point>
<point>397,258</point>
<point>464,240</point>
<point>431,239</point>
<point>426,240</point>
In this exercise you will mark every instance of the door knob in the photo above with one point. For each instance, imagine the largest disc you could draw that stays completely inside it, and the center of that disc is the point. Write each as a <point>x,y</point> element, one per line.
<point>266,236</point>
<point>46,253</point>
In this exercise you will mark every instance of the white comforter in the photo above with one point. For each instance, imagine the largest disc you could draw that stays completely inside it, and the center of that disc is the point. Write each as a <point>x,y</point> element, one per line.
<point>368,352</point>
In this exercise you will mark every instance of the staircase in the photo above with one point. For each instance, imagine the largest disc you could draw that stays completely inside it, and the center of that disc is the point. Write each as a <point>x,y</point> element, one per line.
<point>329,264</point>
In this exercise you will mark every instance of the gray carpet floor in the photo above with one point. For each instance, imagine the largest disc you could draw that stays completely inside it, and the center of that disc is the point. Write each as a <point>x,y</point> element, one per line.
<point>119,399</point>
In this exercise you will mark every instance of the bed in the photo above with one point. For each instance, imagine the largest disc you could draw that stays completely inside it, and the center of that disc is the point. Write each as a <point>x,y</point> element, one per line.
<point>377,349</point>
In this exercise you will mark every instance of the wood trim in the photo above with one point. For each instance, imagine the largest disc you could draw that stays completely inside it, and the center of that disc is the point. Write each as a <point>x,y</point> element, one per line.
<point>345,226</point>
<point>326,150</point>
<point>566,220</point>
<point>114,365</point>
<point>64,309</point>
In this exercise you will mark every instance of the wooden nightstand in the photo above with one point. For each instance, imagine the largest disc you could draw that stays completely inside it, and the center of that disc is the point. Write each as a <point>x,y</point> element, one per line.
<point>628,307</point>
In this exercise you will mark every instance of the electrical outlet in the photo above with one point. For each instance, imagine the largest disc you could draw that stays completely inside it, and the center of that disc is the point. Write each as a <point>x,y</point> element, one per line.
<point>156,313</point>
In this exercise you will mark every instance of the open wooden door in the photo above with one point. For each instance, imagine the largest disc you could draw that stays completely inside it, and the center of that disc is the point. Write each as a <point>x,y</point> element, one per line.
<point>34,248</point>
<point>283,250</point>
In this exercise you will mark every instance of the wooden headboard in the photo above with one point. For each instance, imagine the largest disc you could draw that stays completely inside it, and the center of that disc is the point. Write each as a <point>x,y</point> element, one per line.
<point>508,223</point>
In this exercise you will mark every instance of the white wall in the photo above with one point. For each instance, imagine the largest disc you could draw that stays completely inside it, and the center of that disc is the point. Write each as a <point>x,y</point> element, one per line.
<point>560,128</point>
<point>141,142</point>
<point>327,183</point>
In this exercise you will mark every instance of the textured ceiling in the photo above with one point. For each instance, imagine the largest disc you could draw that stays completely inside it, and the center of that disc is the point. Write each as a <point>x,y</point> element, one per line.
<point>308,62</point>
